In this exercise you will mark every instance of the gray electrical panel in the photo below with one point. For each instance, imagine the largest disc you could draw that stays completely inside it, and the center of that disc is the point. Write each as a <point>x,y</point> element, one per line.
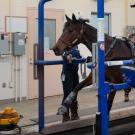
<point>18,44</point>
<point>4,44</point>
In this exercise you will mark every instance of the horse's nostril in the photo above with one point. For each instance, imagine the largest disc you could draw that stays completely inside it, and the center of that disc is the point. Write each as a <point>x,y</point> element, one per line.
<point>56,51</point>
<point>51,48</point>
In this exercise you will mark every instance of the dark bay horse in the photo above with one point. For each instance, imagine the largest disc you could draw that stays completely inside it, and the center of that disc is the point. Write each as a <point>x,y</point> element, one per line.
<point>78,31</point>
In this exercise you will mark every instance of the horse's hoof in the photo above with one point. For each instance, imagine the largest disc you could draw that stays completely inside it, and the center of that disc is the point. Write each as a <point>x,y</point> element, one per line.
<point>126,99</point>
<point>62,110</point>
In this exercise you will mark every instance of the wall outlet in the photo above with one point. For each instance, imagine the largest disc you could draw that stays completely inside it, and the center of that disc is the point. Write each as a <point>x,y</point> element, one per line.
<point>11,85</point>
<point>4,85</point>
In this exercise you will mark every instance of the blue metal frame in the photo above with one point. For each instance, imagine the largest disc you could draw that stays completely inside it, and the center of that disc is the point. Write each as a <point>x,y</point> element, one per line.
<point>103,88</point>
<point>57,62</point>
<point>41,67</point>
<point>40,63</point>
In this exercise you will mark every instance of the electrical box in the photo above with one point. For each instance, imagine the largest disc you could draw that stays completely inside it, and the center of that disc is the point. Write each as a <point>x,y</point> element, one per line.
<point>18,44</point>
<point>4,44</point>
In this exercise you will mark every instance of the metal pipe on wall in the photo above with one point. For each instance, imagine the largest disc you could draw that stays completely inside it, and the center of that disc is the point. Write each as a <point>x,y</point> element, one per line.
<point>15,76</point>
<point>13,61</point>
<point>20,78</point>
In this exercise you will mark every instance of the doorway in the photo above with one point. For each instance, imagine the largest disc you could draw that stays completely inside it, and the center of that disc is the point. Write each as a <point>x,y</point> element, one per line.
<point>54,21</point>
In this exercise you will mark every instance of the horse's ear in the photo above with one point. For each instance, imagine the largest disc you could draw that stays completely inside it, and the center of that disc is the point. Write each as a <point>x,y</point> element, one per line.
<point>67,18</point>
<point>73,17</point>
<point>87,20</point>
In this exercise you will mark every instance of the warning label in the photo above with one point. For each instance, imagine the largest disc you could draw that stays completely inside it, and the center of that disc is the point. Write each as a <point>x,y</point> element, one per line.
<point>101,29</point>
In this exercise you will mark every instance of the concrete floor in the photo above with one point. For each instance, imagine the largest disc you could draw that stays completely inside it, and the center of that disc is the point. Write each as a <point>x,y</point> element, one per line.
<point>29,109</point>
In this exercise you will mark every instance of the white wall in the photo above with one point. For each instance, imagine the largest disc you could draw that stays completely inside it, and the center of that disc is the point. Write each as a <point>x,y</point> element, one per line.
<point>4,11</point>
<point>5,78</point>
<point>131,13</point>
<point>7,64</point>
<point>116,7</point>
<point>117,10</point>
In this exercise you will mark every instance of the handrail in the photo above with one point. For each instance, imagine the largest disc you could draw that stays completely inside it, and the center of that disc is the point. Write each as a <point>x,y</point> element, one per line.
<point>58,62</point>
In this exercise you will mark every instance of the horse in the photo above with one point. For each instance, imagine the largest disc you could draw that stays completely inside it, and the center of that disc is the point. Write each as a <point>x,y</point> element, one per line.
<point>77,31</point>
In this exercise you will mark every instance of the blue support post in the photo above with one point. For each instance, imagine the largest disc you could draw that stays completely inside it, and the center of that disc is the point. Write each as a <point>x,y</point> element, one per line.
<point>102,87</point>
<point>41,67</point>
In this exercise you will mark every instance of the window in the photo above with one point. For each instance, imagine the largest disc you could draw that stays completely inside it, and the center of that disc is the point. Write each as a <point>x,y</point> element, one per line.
<point>49,35</point>
<point>16,24</point>
<point>107,26</point>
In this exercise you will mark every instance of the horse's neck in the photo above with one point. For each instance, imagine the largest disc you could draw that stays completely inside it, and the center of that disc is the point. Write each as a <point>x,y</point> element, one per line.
<point>89,37</point>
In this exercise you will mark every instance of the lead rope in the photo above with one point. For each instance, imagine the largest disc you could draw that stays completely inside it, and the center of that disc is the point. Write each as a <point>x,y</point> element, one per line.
<point>83,70</point>
<point>93,128</point>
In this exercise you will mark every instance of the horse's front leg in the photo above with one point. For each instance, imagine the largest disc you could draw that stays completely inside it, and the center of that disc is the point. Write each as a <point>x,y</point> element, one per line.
<point>114,76</point>
<point>110,100</point>
<point>72,96</point>
<point>112,95</point>
<point>126,94</point>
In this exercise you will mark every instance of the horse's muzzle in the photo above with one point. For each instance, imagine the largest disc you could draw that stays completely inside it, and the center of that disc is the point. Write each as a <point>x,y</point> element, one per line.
<point>56,51</point>
<point>62,110</point>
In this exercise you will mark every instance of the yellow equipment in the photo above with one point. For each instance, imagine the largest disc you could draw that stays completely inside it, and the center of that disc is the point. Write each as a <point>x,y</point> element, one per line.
<point>9,119</point>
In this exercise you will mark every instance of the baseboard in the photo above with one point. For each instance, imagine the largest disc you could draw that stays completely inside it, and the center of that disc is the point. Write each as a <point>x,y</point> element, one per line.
<point>12,100</point>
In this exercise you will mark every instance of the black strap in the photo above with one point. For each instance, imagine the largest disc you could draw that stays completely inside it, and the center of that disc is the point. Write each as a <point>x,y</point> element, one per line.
<point>132,47</point>
<point>111,47</point>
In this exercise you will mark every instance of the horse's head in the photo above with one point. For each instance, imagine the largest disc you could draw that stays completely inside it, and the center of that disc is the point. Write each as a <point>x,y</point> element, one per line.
<point>71,36</point>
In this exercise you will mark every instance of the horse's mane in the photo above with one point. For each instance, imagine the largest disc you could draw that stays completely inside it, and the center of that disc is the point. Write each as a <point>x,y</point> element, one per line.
<point>82,20</point>
<point>85,21</point>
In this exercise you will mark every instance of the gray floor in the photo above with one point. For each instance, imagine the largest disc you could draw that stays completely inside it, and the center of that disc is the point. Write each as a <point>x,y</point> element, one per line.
<point>87,99</point>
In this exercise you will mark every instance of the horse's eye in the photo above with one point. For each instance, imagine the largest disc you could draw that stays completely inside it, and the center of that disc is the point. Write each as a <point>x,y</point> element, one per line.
<point>70,30</point>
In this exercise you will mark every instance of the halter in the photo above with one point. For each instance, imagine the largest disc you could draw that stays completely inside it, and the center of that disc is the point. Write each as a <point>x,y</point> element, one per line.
<point>75,41</point>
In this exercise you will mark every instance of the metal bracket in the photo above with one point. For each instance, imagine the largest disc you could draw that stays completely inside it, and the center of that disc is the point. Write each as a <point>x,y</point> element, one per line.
<point>132,6</point>
<point>95,66</point>
<point>35,73</point>
<point>106,89</point>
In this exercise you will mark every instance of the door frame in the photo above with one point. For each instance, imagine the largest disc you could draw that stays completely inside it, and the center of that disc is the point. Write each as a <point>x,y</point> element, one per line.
<point>58,15</point>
